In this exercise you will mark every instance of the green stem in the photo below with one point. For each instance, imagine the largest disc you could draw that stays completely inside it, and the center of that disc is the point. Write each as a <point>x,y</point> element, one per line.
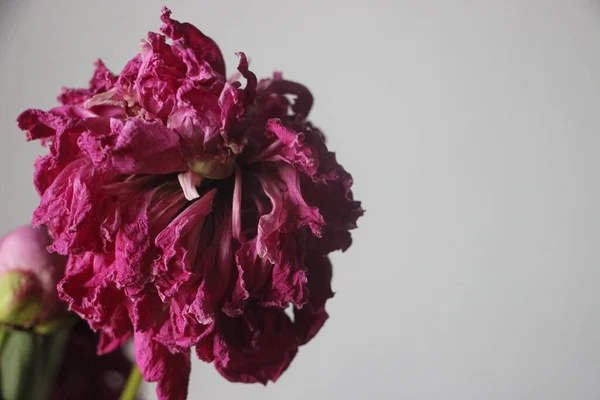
<point>3,337</point>
<point>132,385</point>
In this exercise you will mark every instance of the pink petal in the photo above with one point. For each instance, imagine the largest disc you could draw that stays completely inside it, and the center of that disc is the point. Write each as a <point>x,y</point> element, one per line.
<point>171,369</point>
<point>136,147</point>
<point>203,46</point>
<point>179,245</point>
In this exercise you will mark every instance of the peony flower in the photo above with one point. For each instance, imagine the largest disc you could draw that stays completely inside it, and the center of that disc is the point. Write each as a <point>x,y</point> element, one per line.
<point>28,278</point>
<point>194,209</point>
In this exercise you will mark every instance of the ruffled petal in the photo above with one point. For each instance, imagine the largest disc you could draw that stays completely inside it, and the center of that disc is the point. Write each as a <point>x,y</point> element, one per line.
<point>171,369</point>
<point>300,212</point>
<point>269,225</point>
<point>70,207</point>
<point>178,242</point>
<point>196,118</point>
<point>234,102</point>
<point>257,347</point>
<point>102,81</point>
<point>204,47</point>
<point>309,319</point>
<point>135,146</point>
<point>88,290</point>
<point>281,87</point>
<point>295,151</point>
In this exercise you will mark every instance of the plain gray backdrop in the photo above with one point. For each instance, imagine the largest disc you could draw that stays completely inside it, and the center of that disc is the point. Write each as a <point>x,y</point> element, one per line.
<point>472,129</point>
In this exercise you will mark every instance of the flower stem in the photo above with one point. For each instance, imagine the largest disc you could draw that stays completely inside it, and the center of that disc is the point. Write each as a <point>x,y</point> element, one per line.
<point>132,384</point>
<point>3,337</point>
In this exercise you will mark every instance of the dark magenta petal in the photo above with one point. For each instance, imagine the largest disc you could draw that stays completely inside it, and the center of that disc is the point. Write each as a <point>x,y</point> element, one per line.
<point>136,146</point>
<point>169,367</point>
<point>178,243</point>
<point>203,46</point>
<point>102,81</point>
<point>256,347</point>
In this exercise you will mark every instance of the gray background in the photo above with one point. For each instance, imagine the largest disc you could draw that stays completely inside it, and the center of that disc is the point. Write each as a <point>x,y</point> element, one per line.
<point>472,130</point>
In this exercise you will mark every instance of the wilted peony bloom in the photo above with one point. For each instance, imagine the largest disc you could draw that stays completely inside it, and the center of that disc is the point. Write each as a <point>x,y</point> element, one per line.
<point>195,210</point>
<point>28,278</point>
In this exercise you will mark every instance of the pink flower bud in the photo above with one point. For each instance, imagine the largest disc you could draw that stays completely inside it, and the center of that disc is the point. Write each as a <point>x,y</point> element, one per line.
<point>28,277</point>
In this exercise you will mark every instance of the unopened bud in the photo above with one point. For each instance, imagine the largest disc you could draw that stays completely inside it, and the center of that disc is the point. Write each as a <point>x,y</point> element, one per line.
<point>20,298</point>
<point>28,278</point>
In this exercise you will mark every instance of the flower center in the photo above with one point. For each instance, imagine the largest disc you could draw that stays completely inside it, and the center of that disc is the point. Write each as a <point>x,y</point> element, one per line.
<point>213,168</point>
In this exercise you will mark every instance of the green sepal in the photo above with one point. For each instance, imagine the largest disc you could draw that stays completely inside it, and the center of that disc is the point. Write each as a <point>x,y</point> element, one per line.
<point>17,308</point>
